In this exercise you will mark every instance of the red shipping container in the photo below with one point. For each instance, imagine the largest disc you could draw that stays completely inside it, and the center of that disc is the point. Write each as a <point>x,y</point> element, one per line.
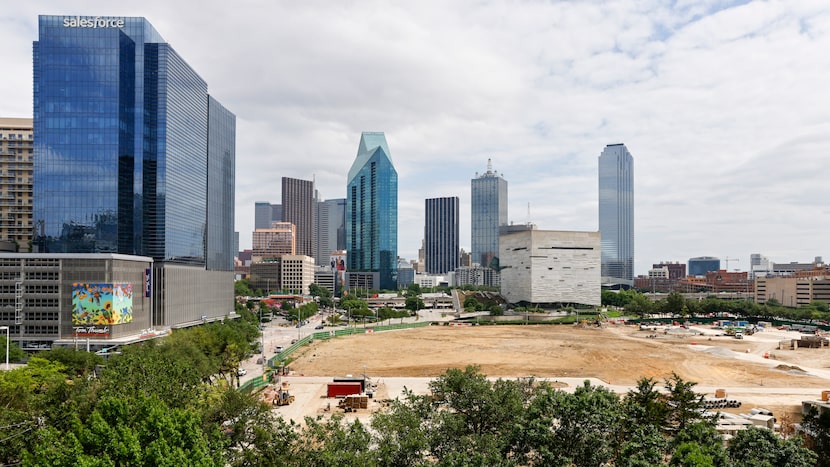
<point>342,389</point>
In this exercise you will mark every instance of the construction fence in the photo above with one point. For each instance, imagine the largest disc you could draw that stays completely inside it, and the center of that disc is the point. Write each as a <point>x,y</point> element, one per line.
<point>277,360</point>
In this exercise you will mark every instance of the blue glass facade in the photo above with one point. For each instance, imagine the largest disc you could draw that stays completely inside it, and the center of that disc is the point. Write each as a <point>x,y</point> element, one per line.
<point>121,144</point>
<point>489,211</point>
<point>701,265</point>
<point>616,214</point>
<point>441,234</point>
<point>222,243</point>
<point>372,211</point>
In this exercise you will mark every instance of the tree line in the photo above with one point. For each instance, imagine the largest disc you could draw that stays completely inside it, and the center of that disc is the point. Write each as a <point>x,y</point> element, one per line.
<point>675,304</point>
<point>173,402</point>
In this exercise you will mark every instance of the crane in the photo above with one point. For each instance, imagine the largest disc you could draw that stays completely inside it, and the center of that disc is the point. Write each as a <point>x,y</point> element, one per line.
<point>728,259</point>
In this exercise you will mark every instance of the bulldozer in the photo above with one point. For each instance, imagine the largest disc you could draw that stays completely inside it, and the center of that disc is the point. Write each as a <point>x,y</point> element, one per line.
<point>283,397</point>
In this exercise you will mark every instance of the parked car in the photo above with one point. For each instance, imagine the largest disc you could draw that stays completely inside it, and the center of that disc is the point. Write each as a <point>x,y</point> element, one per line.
<point>293,341</point>
<point>278,349</point>
<point>320,326</point>
<point>241,372</point>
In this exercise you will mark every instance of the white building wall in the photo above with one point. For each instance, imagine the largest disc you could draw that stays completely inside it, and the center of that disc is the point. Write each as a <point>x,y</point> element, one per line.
<point>297,273</point>
<point>550,266</point>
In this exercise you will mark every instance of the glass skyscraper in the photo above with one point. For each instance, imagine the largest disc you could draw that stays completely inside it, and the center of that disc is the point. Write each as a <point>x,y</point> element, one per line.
<point>441,237</point>
<point>131,154</point>
<point>372,211</point>
<point>331,229</point>
<point>616,215</point>
<point>489,211</point>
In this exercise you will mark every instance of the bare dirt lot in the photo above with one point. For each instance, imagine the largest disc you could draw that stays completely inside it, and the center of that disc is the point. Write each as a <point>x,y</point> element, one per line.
<point>615,354</point>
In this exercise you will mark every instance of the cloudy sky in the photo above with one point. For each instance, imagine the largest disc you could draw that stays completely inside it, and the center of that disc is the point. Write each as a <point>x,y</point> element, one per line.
<point>725,106</point>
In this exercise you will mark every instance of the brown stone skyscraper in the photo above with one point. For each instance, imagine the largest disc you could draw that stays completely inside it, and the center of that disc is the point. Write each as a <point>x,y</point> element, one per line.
<point>298,209</point>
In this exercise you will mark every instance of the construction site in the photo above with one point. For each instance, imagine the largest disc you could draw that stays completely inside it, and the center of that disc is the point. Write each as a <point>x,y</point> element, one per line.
<point>751,380</point>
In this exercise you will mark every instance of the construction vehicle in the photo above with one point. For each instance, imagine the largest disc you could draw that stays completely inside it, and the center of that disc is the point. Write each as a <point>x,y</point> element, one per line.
<point>283,396</point>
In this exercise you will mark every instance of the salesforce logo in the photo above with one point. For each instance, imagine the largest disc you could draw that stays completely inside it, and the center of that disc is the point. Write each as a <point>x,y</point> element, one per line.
<point>97,22</point>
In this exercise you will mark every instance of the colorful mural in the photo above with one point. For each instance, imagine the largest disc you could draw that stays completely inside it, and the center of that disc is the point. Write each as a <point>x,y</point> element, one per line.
<point>102,304</point>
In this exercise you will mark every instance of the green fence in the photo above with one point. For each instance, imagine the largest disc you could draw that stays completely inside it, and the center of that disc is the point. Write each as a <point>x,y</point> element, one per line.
<point>277,359</point>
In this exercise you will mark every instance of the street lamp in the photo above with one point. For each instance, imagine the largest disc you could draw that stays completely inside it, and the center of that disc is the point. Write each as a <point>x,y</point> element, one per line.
<point>6,328</point>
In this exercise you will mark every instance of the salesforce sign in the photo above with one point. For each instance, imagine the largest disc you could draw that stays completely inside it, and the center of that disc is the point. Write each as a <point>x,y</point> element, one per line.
<point>94,23</point>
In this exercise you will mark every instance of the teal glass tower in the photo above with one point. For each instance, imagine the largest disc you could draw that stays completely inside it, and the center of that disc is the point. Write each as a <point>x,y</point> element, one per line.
<point>616,216</point>
<point>372,211</point>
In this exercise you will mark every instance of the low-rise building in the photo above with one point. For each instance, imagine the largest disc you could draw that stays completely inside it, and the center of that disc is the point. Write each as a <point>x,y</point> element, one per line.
<point>549,266</point>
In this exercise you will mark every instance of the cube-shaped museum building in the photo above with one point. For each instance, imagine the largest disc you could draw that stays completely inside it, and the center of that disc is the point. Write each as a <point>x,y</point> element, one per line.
<point>550,266</point>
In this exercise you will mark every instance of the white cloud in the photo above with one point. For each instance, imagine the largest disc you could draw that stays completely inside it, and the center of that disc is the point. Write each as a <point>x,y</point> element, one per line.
<point>723,105</point>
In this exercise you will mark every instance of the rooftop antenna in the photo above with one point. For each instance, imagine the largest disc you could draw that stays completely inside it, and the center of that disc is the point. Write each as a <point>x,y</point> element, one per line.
<point>489,165</point>
<point>528,213</point>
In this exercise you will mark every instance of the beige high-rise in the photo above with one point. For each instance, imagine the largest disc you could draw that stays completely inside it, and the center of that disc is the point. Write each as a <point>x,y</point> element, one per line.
<point>16,156</point>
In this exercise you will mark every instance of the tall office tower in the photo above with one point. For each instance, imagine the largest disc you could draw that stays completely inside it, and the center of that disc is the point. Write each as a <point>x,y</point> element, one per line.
<point>616,215</point>
<point>489,211</point>
<point>372,211</point>
<point>331,229</point>
<point>16,154</point>
<point>128,144</point>
<point>221,176</point>
<point>441,236</point>
<point>298,208</point>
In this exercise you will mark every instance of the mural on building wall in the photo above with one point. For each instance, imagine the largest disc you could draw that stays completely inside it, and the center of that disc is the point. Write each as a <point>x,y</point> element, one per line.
<point>102,304</point>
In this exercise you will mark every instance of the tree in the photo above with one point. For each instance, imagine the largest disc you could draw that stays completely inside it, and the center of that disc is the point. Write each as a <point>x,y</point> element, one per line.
<point>413,290</point>
<point>16,354</point>
<point>414,303</point>
<point>402,431</point>
<point>675,304</point>
<point>639,305</point>
<point>323,295</point>
<point>684,404</point>
<point>481,417</point>
<point>76,362</point>
<point>471,304</point>
<point>332,442</point>
<point>761,447</point>
<point>242,287</point>
<point>571,429</point>
<point>817,427</point>
<point>699,444</point>
<point>646,406</point>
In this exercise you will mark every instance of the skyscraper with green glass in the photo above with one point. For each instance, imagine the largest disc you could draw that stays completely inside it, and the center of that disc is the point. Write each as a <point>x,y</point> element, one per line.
<point>372,211</point>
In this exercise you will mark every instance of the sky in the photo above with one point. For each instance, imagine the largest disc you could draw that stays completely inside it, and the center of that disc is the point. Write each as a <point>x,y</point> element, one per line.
<point>724,106</point>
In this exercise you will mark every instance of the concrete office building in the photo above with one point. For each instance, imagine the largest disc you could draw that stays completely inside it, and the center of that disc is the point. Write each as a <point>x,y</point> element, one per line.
<point>297,273</point>
<point>441,234</point>
<point>477,276</point>
<point>547,266</point>
<point>488,196</point>
<point>16,155</point>
<point>331,229</point>
<point>616,216</point>
<point>298,204</point>
<point>133,157</point>
<point>39,291</point>
<point>372,213</point>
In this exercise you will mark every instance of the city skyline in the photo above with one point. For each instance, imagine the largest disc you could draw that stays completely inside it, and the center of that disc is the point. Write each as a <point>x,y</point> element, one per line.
<point>709,95</point>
